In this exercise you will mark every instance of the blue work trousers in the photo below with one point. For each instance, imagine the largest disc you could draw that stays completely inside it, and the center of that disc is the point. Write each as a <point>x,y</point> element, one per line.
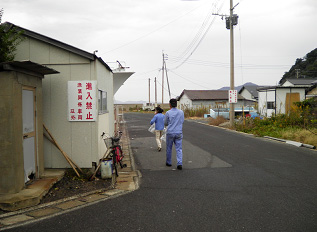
<point>177,140</point>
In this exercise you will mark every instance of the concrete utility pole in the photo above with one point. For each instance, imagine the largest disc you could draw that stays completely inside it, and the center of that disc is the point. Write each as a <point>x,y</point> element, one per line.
<point>231,114</point>
<point>231,21</point>
<point>155,92</point>
<point>297,72</point>
<point>163,80</point>
<point>149,90</point>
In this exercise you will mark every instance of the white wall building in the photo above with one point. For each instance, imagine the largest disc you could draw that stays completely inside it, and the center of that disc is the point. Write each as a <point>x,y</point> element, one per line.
<point>80,139</point>
<point>212,99</point>
<point>280,99</point>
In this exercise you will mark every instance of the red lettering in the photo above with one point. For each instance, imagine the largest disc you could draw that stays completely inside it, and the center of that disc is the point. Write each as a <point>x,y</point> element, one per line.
<point>79,85</point>
<point>80,97</point>
<point>80,111</point>
<point>89,116</point>
<point>72,111</point>
<point>80,117</point>
<point>89,86</point>
<point>89,96</point>
<point>80,91</point>
<point>88,105</point>
<point>73,117</point>
<point>80,104</point>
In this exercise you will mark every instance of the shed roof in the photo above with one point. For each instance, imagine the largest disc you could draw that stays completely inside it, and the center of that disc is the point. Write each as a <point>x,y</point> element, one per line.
<point>207,94</point>
<point>51,41</point>
<point>27,65</point>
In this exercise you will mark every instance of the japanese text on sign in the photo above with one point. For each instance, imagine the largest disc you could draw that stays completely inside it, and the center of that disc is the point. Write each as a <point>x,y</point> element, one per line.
<point>82,102</point>
<point>233,96</point>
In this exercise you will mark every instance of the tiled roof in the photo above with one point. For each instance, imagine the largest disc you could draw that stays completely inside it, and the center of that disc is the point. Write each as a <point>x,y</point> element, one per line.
<point>302,81</point>
<point>207,94</point>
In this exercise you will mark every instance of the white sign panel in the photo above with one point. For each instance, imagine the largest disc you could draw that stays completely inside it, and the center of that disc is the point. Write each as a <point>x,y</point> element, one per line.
<point>233,96</point>
<point>82,101</point>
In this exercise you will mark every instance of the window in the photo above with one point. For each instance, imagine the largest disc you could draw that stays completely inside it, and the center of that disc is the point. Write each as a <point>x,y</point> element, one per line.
<point>102,102</point>
<point>270,105</point>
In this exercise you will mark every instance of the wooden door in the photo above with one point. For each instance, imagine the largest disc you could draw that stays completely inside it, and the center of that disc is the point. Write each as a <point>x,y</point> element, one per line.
<point>29,132</point>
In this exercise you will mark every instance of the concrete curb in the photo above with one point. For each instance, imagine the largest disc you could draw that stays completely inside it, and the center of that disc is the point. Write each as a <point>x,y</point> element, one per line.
<point>127,182</point>
<point>297,144</point>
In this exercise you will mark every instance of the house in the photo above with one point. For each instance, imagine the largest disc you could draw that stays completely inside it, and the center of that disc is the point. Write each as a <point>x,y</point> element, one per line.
<point>279,99</point>
<point>312,91</point>
<point>208,98</point>
<point>249,92</point>
<point>77,103</point>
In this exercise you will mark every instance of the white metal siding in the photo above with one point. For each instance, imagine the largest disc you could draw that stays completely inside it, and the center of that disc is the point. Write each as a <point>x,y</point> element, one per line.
<point>80,140</point>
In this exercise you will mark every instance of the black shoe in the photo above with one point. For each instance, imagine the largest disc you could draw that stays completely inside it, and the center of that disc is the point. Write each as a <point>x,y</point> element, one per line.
<point>179,167</point>
<point>168,165</point>
<point>159,149</point>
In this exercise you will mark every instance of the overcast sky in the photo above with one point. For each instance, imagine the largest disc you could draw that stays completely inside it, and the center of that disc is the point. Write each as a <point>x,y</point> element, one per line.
<point>270,36</point>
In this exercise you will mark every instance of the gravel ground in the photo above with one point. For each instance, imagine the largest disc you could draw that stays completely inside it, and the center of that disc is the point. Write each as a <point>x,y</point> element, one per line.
<point>71,185</point>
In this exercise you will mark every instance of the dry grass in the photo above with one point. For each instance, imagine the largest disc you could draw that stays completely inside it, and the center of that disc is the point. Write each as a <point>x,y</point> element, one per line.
<point>217,121</point>
<point>301,135</point>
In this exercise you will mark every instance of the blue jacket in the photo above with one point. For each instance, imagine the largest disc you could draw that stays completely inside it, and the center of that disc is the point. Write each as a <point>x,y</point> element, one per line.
<point>158,119</point>
<point>174,119</point>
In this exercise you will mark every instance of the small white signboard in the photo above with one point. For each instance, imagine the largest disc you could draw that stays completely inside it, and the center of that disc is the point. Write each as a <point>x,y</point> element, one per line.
<point>233,96</point>
<point>82,101</point>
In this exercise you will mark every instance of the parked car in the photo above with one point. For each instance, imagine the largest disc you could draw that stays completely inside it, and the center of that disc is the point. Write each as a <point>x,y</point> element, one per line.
<point>148,106</point>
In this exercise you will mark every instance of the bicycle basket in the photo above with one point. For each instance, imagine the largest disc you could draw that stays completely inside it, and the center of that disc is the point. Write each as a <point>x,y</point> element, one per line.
<point>107,142</point>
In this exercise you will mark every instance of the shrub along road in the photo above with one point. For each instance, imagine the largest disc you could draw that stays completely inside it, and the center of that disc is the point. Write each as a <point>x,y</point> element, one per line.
<point>229,182</point>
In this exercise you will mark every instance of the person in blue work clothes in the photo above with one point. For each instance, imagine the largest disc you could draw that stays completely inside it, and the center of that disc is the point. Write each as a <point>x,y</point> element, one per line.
<point>158,119</point>
<point>174,119</point>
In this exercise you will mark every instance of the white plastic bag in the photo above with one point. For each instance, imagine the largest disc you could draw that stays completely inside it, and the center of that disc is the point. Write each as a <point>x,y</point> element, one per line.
<point>152,128</point>
<point>163,138</point>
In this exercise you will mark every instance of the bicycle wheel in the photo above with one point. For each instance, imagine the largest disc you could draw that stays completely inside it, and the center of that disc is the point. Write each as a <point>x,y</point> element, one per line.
<point>114,163</point>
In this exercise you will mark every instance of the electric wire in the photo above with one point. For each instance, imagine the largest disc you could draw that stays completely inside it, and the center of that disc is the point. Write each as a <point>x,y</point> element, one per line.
<point>200,40</point>
<point>151,32</point>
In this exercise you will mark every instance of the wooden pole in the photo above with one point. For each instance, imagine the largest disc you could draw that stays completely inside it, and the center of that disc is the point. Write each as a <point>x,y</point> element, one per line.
<point>72,164</point>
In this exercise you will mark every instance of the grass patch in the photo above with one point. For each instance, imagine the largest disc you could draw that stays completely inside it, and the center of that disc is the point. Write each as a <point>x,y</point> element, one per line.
<point>217,121</point>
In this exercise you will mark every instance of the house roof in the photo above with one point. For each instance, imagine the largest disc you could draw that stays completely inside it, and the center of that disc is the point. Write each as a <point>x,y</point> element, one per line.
<point>207,94</point>
<point>56,43</point>
<point>300,81</point>
<point>27,65</point>
<point>252,90</point>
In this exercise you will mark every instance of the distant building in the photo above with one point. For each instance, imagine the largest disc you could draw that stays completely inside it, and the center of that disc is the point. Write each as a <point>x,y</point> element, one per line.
<point>208,98</point>
<point>279,99</point>
<point>250,92</point>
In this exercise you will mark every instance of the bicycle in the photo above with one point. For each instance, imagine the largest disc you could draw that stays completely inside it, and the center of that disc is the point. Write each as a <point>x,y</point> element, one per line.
<point>114,151</point>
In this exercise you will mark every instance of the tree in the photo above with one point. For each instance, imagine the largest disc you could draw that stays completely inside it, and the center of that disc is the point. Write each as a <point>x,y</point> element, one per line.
<point>9,40</point>
<point>305,67</point>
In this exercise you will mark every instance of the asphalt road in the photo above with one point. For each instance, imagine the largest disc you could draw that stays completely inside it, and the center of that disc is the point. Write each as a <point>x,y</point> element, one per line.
<point>229,182</point>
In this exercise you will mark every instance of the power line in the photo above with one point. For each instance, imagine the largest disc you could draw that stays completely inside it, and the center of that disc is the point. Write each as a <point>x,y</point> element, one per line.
<point>189,80</point>
<point>200,40</point>
<point>151,32</point>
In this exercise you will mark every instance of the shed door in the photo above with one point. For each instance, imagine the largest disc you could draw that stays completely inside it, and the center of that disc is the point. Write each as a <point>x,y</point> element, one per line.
<point>290,99</point>
<point>29,139</point>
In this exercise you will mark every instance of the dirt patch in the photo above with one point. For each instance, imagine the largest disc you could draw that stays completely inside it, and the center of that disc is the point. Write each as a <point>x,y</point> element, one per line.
<point>71,185</point>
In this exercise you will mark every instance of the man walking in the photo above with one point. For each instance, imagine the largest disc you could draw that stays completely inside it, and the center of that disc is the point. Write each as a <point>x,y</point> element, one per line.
<point>174,119</point>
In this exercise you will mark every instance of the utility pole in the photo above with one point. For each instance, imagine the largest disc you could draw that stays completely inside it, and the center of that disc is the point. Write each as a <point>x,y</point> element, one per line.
<point>297,72</point>
<point>149,90</point>
<point>155,92</point>
<point>231,21</point>
<point>168,84</point>
<point>231,114</point>
<point>163,80</point>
